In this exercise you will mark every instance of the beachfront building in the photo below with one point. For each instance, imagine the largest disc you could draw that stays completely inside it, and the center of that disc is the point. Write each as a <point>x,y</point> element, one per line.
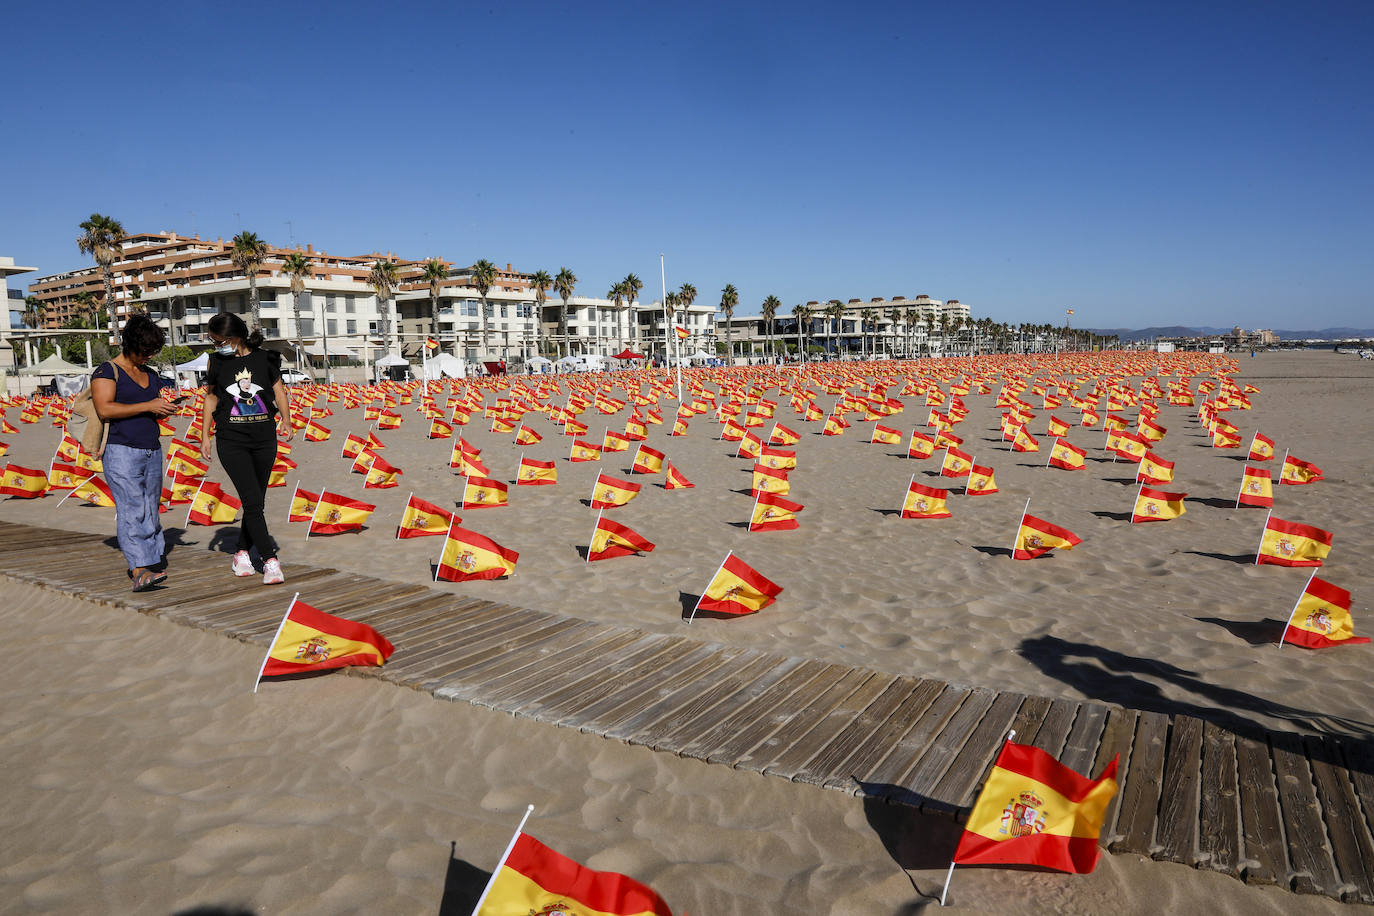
<point>13,316</point>
<point>885,328</point>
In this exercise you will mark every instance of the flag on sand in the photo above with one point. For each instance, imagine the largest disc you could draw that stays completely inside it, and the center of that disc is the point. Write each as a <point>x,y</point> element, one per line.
<point>335,514</point>
<point>1033,810</point>
<point>302,503</point>
<point>1037,537</point>
<point>647,460</point>
<point>925,502</point>
<point>1297,472</point>
<point>308,639</point>
<point>1153,505</point>
<point>676,480</point>
<point>1292,544</point>
<point>584,451</point>
<point>468,556</point>
<point>1023,441</point>
<point>886,435</point>
<point>1261,448</point>
<point>767,480</point>
<point>612,539</point>
<point>532,878</point>
<point>920,446</point>
<point>96,492</point>
<point>981,481</point>
<point>23,483</point>
<point>956,463</point>
<point>422,519</point>
<point>609,492</point>
<point>1256,488</point>
<point>212,506</point>
<point>1321,618</point>
<point>773,513</point>
<point>1154,470</point>
<point>1068,456</point>
<point>737,588</point>
<point>536,473</point>
<point>483,492</point>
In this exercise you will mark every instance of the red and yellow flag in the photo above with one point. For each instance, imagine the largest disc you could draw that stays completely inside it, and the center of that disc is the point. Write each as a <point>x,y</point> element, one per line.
<point>920,446</point>
<point>1292,544</point>
<point>534,473</point>
<point>1033,810</point>
<point>1057,427</point>
<point>738,588</point>
<point>526,436</point>
<point>212,506</point>
<point>483,492</point>
<point>612,539</point>
<point>925,502</point>
<point>182,463</point>
<point>381,475</point>
<point>610,492</point>
<point>1321,619</point>
<point>438,429</point>
<point>647,460</point>
<point>96,492</point>
<point>316,432</point>
<point>676,480</point>
<point>614,442</point>
<point>535,879</point>
<point>335,514</point>
<point>1154,470</point>
<point>768,480</point>
<point>781,435</point>
<point>302,503</point>
<point>1127,445</point>
<point>750,446</point>
<point>772,512</point>
<point>1068,456</point>
<point>469,556</point>
<point>423,519</point>
<point>1256,488</point>
<point>1037,537</point>
<point>956,463</point>
<point>981,481</point>
<point>1023,441</point>
<point>1296,473</point>
<point>311,640</point>
<point>584,451</point>
<point>885,435</point>
<point>353,444</point>
<point>66,476</point>
<point>1153,505</point>
<point>1261,448</point>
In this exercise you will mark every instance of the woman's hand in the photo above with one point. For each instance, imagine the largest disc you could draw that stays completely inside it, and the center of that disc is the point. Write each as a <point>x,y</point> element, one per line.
<point>286,430</point>
<point>207,454</point>
<point>161,407</point>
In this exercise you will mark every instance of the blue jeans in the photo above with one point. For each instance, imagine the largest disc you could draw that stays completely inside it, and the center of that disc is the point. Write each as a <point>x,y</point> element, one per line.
<point>135,479</point>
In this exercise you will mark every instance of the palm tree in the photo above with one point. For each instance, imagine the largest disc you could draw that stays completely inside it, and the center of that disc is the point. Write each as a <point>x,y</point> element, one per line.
<point>833,311</point>
<point>99,238</point>
<point>686,295</point>
<point>247,255</point>
<point>297,266</point>
<point>770,310</point>
<point>799,312</point>
<point>912,318</point>
<point>616,294</point>
<point>564,284</point>
<point>434,272</point>
<point>632,285</point>
<point>870,319</point>
<point>33,312</point>
<point>540,282</point>
<point>483,276</point>
<point>894,315</point>
<point>729,298</point>
<point>88,307</point>
<point>383,278</point>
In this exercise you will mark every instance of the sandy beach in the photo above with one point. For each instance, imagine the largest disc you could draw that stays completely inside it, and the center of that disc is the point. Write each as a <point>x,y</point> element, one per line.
<point>147,779</point>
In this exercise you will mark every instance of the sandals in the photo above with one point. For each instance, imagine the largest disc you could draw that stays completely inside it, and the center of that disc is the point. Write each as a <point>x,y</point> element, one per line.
<point>146,580</point>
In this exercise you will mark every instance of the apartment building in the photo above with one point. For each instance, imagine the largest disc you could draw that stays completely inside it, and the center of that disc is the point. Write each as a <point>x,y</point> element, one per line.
<point>900,326</point>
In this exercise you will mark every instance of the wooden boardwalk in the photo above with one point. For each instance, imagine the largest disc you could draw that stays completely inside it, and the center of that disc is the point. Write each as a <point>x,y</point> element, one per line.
<point>1280,809</point>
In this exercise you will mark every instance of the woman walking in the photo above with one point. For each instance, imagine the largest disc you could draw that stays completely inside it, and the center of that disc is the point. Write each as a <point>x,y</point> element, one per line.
<point>128,397</point>
<point>247,401</point>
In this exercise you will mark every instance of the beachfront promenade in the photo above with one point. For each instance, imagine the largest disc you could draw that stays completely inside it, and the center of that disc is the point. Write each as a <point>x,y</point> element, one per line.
<point>1273,808</point>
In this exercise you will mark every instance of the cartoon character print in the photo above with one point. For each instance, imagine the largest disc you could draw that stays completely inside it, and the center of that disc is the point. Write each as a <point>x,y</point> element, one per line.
<point>247,396</point>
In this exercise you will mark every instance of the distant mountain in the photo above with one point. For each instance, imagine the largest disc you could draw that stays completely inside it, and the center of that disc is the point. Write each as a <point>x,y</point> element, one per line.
<point>1129,335</point>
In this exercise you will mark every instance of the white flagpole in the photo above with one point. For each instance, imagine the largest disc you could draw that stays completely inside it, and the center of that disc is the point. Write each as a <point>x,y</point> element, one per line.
<point>403,514</point>
<point>969,479</point>
<point>753,510</point>
<point>191,508</point>
<point>292,501</point>
<point>1051,455</point>
<point>1293,613</point>
<point>950,875</point>
<point>907,493</point>
<point>595,526</point>
<point>693,615</point>
<point>1137,500</point>
<point>1241,491</point>
<point>1262,532</point>
<point>1282,466</point>
<point>271,645</point>
<point>501,864</point>
<point>1017,536</point>
<point>445,547</point>
<point>314,513</point>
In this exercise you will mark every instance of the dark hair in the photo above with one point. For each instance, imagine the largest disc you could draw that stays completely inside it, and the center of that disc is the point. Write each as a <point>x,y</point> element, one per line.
<point>227,324</point>
<point>141,337</point>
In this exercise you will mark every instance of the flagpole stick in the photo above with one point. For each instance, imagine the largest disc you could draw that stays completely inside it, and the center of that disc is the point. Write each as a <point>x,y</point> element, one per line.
<point>969,479</point>
<point>292,501</point>
<point>595,527</point>
<point>753,511</point>
<point>1293,613</point>
<point>1241,491</point>
<point>700,597</point>
<point>403,514</point>
<point>1017,536</point>
<point>1262,531</point>
<point>1137,499</point>
<point>314,513</point>
<point>449,535</point>
<point>1051,454</point>
<point>501,864</point>
<point>192,507</point>
<point>1285,464</point>
<point>271,645</point>
<point>949,877</point>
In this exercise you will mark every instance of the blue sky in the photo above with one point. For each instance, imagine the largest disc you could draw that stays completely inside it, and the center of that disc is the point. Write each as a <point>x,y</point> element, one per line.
<point>1143,164</point>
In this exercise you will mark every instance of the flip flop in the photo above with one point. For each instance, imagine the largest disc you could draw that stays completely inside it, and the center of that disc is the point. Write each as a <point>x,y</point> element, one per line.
<point>147,580</point>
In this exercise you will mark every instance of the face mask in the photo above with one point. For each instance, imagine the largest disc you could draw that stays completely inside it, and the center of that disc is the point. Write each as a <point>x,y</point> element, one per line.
<point>225,350</point>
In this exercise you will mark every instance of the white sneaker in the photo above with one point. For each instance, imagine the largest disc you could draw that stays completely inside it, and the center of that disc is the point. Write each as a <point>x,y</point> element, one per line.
<point>271,572</point>
<point>242,566</point>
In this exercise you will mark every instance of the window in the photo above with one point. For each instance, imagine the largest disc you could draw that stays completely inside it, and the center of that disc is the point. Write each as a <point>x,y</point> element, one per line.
<point>503,310</point>
<point>349,307</point>
<point>307,327</point>
<point>352,326</point>
<point>329,303</point>
<point>333,325</point>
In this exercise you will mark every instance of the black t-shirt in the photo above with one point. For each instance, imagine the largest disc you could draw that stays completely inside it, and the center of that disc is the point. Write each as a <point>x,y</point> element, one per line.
<point>247,408</point>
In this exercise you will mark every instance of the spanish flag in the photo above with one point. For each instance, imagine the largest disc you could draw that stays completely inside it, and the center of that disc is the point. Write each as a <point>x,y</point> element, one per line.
<point>635,430</point>
<point>187,466</point>
<point>469,556</point>
<point>276,477</point>
<point>1321,618</point>
<point>1023,441</point>
<point>680,331</point>
<point>1154,470</point>
<point>1148,430</point>
<point>1222,438</point>
<point>772,512</point>
<point>316,432</point>
<point>1067,456</point>
<point>925,502</point>
<point>165,429</point>
<point>1153,505</point>
<point>423,519</point>
<point>1057,427</point>
<point>1037,537</point>
<point>431,343</point>
<point>956,463</point>
<point>1256,488</point>
<point>1127,445</point>
<point>212,506</point>
<point>532,878</point>
<point>388,420</point>
<point>438,429</point>
<point>676,480</point>
<point>483,492</point>
<point>737,588</point>
<point>584,451</point>
<point>1033,810</point>
<point>647,460</point>
<point>469,464</point>
<point>679,428</point>
<point>1292,544</point>
<point>1261,448</point>
<point>612,539</point>
<point>886,435</point>
<point>921,446</point>
<point>1090,417</point>
<point>614,442</point>
<point>609,492</point>
<point>353,444</point>
<point>812,412</point>
<point>96,492</point>
<point>363,461</point>
<point>65,476</point>
<point>335,514</point>
<point>777,458</point>
<point>945,439</point>
<point>534,473</point>
<point>311,640</point>
<point>834,426</point>
<point>302,504</point>
<point>980,482</point>
<point>1296,473</point>
<point>526,436</point>
<point>500,425</point>
<point>749,446</point>
<point>381,475</point>
<point>574,428</point>
<point>781,435</point>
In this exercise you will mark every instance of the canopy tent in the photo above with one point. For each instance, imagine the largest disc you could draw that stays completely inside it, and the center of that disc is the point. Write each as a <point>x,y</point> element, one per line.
<point>538,362</point>
<point>699,355</point>
<point>444,364</point>
<point>390,360</point>
<point>627,353</point>
<point>568,361</point>
<point>54,365</point>
<point>199,364</point>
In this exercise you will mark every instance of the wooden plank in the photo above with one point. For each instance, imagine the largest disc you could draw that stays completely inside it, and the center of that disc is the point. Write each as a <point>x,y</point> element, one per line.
<point>1266,856</point>
<point>591,711</point>
<point>1140,795</point>
<point>1358,759</point>
<point>407,604</point>
<point>886,779</point>
<point>783,739</point>
<point>866,740</point>
<point>926,774</point>
<point>1054,731</point>
<point>606,665</point>
<point>1176,830</point>
<point>737,699</point>
<point>966,773</point>
<point>645,725</point>
<point>1116,740</point>
<point>655,698</point>
<point>474,662</point>
<point>824,727</point>
<point>1028,721</point>
<point>1219,819</point>
<point>757,708</point>
<point>549,665</point>
<point>423,668</point>
<point>732,749</point>
<point>1351,844</point>
<point>658,651</point>
<point>437,626</point>
<point>1081,745</point>
<point>1309,849</point>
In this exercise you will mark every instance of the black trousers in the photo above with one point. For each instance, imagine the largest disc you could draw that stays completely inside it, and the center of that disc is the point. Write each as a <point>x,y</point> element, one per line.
<point>249,466</point>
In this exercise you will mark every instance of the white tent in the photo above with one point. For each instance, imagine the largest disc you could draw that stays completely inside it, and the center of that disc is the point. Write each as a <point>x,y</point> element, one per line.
<point>537,364</point>
<point>55,365</point>
<point>199,364</point>
<point>390,360</point>
<point>700,355</point>
<point>444,364</point>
